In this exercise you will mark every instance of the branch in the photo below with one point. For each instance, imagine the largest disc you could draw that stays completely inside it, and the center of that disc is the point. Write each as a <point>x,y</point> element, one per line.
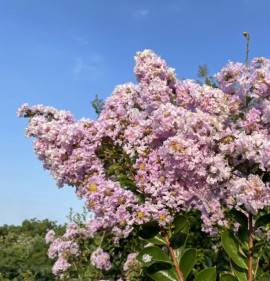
<point>176,265</point>
<point>250,253</point>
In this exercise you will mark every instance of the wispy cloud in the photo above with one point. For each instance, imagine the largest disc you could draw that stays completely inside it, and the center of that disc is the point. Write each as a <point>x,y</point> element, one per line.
<point>81,40</point>
<point>90,66</point>
<point>80,65</point>
<point>141,13</point>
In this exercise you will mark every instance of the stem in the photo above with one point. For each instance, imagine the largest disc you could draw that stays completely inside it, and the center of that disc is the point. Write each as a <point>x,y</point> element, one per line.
<point>102,238</point>
<point>133,176</point>
<point>176,265</point>
<point>250,253</point>
<point>247,35</point>
<point>257,265</point>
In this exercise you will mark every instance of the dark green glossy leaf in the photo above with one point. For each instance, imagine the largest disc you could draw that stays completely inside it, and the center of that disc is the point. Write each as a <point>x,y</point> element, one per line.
<point>187,262</point>
<point>227,277</point>
<point>179,223</point>
<point>178,242</point>
<point>239,217</point>
<point>162,272</point>
<point>262,221</point>
<point>155,254</point>
<point>149,230</point>
<point>243,236</point>
<point>240,273</point>
<point>231,246</point>
<point>208,274</point>
<point>157,240</point>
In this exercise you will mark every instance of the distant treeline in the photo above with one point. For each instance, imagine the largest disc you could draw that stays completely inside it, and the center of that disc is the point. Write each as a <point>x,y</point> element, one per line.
<point>23,251</point>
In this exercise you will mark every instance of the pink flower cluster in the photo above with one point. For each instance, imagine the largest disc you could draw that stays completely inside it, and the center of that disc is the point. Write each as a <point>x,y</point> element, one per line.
<point>130,260</point>
<point>177,144</point>
<point>65,248</point>
<point>101,259</point>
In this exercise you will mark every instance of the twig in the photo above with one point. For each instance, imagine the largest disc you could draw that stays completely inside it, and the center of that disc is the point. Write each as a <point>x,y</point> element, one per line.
<point>250,245</point>
<point>176,265</point>
<point>247,35</point>
<point>257,265</point>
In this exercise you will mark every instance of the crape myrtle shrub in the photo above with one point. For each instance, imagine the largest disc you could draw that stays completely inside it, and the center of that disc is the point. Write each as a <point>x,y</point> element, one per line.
<point>162,148</point>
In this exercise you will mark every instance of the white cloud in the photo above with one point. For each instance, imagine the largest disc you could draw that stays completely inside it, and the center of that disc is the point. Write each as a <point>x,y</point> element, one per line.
<point>80,65</point>
<point>80,40</point>
<point>141,13</point>
<point>96,58</point>
<point>90,66</point>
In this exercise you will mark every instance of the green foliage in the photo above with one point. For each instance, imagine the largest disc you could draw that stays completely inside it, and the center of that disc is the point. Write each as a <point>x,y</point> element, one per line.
<point>156,255</point>
<point>150,233</point>
<point>239,217</point>
<point>204,73</point>
<point>178,241</point>
<point>162,272</point>
<point>79,218</point>
<point>227,277</point>
<point>23,251</point>
<point>98,105</point>
<point>208,274</point>
<point>188,261</point>
<point>262,221</point>
<point>161,266</point>
<point>232,247</point>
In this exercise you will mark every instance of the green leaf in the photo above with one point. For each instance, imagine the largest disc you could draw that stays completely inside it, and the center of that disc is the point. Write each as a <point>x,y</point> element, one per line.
<point>265,278</point>
<point>243,236</point>
<point>178,242</point>
<point>149,230</point>
<point>115,166</point>
<point>239,217</point>
<point>162,272</point>
<point>257,246</point>
<point>262,221</point>
<point>227,277</point>
<point>150,233</point>
<point>232,247</point>
<point>179,223</point>
<point>187,262</point>
<point>156,255</point>
<point>208,274</point>
<point>240,273</point>
<point>157,240</point>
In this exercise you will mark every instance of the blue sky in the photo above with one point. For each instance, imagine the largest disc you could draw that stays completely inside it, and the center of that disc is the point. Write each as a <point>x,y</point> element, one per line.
<point>62,53</point>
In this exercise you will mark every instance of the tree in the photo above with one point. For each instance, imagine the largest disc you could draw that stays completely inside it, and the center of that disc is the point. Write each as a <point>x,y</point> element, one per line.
<point>23,251</point>
<point>160,149</point>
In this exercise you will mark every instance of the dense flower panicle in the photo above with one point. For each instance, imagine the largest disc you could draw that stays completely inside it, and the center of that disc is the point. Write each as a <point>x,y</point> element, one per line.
<point>129,262</point>
<point>213,216</point>
<point>66,247</point>
<point>176,144</point>
<point>101,259</point>
<point>50,236</point>
<point>60,267</point>
<point>252,193</point>
<point>232,75</point>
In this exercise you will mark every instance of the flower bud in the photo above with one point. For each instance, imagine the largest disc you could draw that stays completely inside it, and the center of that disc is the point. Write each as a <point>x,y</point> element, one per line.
<point>121,200</point>
<point>123,223</point>
<point>162,179</point>
<point>108,192</point>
